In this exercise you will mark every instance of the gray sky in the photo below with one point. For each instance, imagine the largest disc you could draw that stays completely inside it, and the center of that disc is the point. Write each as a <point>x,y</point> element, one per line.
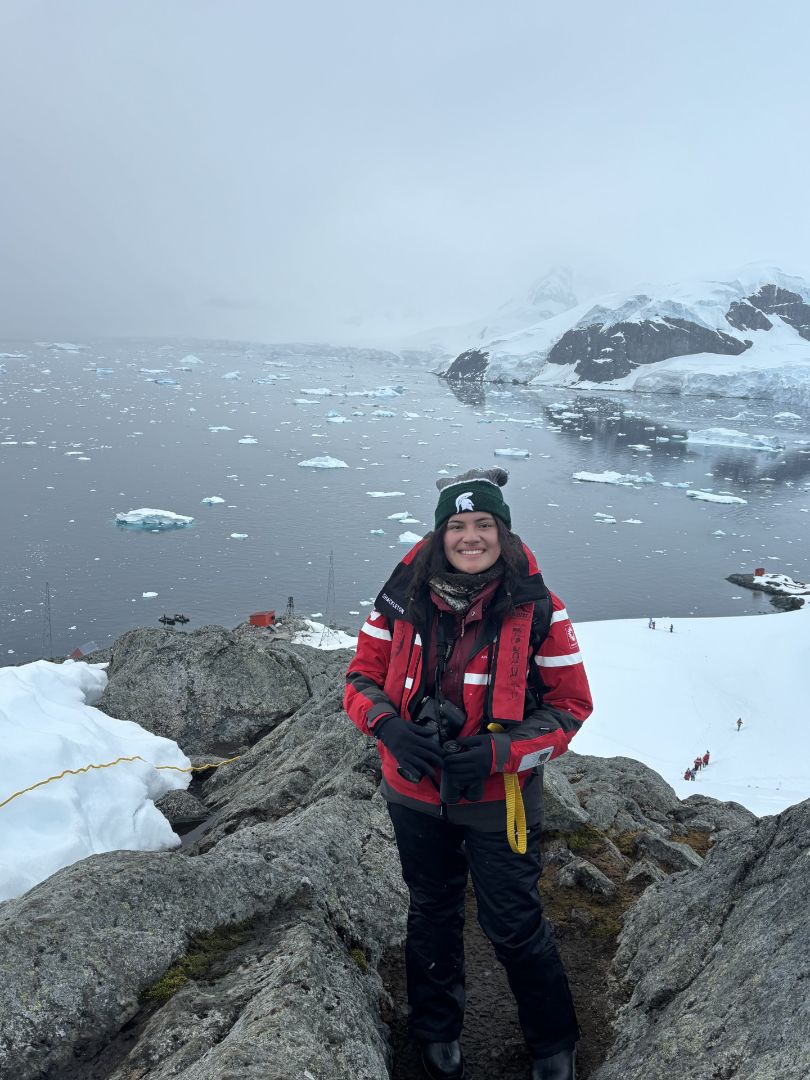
<point>259,170</point>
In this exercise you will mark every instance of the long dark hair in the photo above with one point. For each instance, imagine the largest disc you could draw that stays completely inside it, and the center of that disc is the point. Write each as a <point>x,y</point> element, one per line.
<point>431,560</point>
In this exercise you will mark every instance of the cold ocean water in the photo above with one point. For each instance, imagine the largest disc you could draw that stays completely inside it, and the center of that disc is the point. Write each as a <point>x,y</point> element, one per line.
<point>119,425</point>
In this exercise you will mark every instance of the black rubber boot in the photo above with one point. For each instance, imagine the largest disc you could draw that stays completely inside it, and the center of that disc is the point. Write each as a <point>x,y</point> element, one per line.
<point>560,1066</point>
<point>443,1060</point>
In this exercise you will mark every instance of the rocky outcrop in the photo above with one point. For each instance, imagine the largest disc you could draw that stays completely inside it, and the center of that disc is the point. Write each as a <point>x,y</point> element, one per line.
<point>470,365</point>
<point>118,967</point>
<point>299,851</point>
<point>601,352</point>
<point>214,690</point>
<point>788,305</point>
<point>714,964</point>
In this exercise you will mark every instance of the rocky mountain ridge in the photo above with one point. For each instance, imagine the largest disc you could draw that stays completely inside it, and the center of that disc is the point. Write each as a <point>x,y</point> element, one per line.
<point>756,323</point>
<point>264,947</point>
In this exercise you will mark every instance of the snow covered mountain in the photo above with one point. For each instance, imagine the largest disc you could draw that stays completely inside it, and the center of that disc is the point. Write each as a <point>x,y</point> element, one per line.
<point>747,335</point>
<point>550,295</point>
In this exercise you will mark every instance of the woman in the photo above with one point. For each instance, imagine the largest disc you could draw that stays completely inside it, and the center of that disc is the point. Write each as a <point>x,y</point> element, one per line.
<point>469,675</point>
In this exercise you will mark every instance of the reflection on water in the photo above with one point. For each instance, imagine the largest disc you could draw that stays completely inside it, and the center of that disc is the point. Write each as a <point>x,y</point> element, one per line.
<point>86,435</point>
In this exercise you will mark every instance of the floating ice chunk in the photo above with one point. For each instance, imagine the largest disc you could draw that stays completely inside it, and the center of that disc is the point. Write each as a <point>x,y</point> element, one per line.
<point>731,437</point>
<point>191,359</point>
<point>611,477</point>
<point>403,515</point>
<point>786,416</point>
<point>248,440</point>
<point>637,446</point>
<point>409,538</point>
<point>153,370</point>
<point>318,391</point>
<point>708,496</point>
<point>221,427</point>
<point>304,401</point>
<point>324,462</point>
<point>632,521</point>
<point>146,518</point>
<point>605,519</point>
<point>376,532</point>
<point>412,415</point>
<point>382,413</point>
<point>718,532</point>
<point>148,595</point>
<point>335,418</point>
<point>239,536</point>
<point>384,494</point>
<point>211,500</point>
<point>511,451</point>
<point>166,381</point>
<point>232,375</point>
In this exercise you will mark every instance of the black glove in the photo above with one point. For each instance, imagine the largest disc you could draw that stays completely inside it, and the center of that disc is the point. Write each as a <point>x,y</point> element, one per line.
<point>415,748</point>
<point>472,762</point>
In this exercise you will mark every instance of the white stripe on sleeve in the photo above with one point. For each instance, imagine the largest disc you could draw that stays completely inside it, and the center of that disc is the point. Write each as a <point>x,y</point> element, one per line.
<point>376,631</point>
<point>477,680</point>
<point>559,616</point>
<point>559,661</point>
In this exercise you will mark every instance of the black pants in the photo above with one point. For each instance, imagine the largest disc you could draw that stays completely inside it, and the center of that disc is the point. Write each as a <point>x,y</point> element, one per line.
<point>436,857</point>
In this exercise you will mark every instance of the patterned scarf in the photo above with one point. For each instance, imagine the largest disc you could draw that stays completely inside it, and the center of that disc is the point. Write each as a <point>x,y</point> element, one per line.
<point>460,590</point>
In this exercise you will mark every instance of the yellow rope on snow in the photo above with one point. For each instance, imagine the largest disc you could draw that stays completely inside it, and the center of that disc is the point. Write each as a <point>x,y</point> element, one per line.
<point>109,764</point>
<point>515,810</point>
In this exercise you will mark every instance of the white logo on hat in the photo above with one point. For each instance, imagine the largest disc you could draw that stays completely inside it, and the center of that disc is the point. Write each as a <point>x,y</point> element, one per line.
<point>464,502</point>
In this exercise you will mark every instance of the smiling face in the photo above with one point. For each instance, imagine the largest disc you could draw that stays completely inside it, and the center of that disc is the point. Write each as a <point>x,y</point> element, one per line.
<point>471,542</point>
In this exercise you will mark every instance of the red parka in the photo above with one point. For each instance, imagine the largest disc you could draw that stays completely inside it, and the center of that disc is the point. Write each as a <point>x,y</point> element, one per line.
<point>394,671</point>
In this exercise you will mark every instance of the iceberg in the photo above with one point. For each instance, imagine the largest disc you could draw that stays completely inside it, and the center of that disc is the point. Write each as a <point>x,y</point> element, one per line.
<point>211,500</point>
<point>708,496</point>
<point>409,538</point>
<point>729,437</point>
<point>146,518</point>
<point>510,451</point>
<point>384,494</point>
<point>611,477</point>
<point>324,462</point>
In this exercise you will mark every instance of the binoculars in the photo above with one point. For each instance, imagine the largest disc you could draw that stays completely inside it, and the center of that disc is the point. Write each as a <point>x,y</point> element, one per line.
<point>445,720</point>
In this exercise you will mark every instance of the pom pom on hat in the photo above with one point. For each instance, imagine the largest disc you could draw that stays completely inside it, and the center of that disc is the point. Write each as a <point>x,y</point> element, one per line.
<point>476,489</point>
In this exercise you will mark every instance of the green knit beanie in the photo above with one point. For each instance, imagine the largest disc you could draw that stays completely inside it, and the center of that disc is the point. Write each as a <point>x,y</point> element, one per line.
<point>476,489</point>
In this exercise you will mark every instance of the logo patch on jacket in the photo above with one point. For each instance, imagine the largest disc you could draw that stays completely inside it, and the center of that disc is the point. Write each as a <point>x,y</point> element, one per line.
<point>572,637</point>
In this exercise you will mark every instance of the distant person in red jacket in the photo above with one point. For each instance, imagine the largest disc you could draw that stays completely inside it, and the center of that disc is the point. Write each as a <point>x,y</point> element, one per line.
<point>705,759</point>
<point>441,679</point>
<point>687,775</point>
<point>698,763</point>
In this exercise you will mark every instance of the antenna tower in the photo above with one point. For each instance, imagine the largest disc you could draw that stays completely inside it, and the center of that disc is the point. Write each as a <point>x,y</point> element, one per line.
<point>47,629</point>
<point>330,593</point>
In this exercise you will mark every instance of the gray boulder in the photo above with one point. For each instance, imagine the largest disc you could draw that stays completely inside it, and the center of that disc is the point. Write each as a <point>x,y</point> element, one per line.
<point>619,794</point>
<point>583,874</point>
<point>667,853</point>
<point>714,964</point>
<point>212,691</point>
<point>561,809</point>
